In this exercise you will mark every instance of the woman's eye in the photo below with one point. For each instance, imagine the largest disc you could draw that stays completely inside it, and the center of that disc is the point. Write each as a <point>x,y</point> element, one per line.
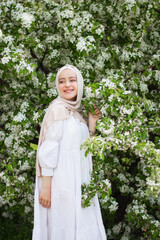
<point>73,80</point>
<point>61,82</point>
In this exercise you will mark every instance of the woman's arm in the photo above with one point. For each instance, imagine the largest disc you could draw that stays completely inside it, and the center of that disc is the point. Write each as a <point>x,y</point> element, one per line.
<point>92,119</point>
<point>48,159</point>
<point>45,194</point>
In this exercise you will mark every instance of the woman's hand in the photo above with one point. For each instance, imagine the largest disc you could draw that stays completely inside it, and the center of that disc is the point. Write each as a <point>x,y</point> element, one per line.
<point>45,197</point>
<point>45,194</point>
<point>92,119</point>
<point>96,116</point>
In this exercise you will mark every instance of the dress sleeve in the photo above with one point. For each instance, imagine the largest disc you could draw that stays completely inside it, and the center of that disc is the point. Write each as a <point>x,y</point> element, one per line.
<point>48,152</point>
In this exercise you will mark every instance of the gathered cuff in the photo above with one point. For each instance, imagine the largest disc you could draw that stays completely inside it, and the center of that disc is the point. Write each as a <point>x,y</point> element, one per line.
<point>47,172</point>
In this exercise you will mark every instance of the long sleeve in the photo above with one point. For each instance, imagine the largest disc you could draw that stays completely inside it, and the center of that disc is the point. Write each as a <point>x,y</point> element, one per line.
<point>48,152</point>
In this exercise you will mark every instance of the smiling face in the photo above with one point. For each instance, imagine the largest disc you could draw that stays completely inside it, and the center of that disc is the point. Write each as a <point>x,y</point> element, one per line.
<point>68,84</point>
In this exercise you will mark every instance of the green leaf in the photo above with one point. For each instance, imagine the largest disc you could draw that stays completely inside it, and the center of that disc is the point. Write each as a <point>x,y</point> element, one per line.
<point>33,146</point>
<point>10,167</point>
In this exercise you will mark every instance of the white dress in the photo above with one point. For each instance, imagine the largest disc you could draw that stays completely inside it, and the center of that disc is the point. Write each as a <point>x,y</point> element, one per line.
<point>60,157</point>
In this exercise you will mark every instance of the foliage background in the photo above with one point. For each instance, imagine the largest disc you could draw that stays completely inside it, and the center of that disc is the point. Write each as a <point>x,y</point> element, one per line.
<point>115,44</point>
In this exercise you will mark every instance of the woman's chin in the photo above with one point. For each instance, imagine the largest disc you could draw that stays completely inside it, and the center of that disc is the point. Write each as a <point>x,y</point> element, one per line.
<point>71,98</point>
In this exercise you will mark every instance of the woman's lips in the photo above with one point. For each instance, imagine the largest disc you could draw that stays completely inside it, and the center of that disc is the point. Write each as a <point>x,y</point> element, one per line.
<point>68,91</point>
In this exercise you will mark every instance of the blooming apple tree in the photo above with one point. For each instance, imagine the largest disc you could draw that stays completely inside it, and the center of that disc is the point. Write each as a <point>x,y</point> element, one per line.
<point>115,44</point>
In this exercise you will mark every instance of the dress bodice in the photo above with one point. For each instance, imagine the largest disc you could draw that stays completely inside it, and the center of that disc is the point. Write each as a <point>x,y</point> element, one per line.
<point>74,133</point>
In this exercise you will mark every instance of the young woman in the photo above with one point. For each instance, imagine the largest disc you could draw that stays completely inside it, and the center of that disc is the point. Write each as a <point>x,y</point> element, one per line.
<point>62,167</point>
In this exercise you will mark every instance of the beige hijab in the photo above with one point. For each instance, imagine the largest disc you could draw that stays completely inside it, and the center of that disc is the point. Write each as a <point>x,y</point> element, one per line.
<point>61,109</point>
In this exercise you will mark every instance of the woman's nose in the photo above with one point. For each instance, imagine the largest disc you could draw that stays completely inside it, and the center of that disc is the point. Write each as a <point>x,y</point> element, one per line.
<point>68,83</point>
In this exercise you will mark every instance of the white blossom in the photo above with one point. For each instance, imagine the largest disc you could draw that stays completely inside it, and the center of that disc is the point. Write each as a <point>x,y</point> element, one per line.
<point>8,39</point>
<point>130,4</point>
<point>157,75</point>
<point>25,166</point>
<point>6,59</point>
<point>85,43</point>
<point>88,92</point>
<point>8,141</point>
<point>27,209</point>
<point>2,136</point>
<point>27,19</point>
<point>54,53</point>
<point>1,34</point>
<point>21,178</point>
<point>35,116</point>
<point>117,228</point>
<point>52,92</point>
<point>81,45</point>
<point>126,111</point>
<point>67,13</point>
<point>113,206</point>
<point>143,87</point>
<point>24,107</point>
<point>108,83</point>
<point>5,214</point>
<point>107,182</point>
<point>19,117</point>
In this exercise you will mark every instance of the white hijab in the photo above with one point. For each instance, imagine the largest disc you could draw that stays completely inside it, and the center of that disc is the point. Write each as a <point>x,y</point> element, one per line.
<point>74,106</point>
<point>60,109</point>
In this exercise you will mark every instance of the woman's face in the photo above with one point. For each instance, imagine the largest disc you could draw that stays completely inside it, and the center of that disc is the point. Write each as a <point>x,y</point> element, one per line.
<point>68,84</point>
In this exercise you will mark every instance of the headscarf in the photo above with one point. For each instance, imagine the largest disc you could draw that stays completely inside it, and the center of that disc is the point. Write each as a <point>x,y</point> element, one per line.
<point>61,109</point>
<point>74,106</point>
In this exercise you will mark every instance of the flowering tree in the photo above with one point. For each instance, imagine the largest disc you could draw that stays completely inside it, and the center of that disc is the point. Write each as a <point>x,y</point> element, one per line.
<point>115,44</point>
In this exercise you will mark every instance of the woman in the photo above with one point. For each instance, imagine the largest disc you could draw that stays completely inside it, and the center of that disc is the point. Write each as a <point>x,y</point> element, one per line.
<point>62,167</point>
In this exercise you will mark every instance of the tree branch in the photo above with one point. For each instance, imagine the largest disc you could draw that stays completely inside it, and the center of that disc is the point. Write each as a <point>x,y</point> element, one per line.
<point>40,62</point>
<point>2,81</point>
<point>140,71</point>
<point>157,10</point>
